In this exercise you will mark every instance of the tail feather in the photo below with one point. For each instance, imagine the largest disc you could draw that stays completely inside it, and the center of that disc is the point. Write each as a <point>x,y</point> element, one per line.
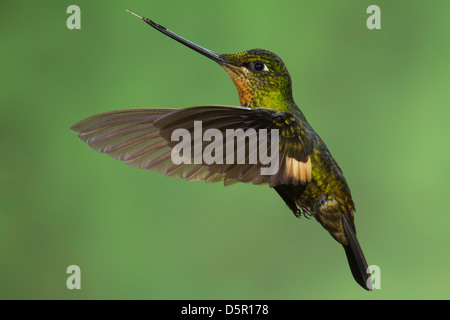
<point>355,257</point>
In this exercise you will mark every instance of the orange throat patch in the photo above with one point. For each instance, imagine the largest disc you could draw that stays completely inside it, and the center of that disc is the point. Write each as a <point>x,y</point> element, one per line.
<point>242,84</point>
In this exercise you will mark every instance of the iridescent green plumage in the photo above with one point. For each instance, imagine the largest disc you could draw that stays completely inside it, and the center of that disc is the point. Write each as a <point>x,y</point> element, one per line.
<point>308,180</point>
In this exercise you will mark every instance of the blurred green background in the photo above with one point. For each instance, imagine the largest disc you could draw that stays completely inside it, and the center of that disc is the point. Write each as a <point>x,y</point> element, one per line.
<point>380,100</point>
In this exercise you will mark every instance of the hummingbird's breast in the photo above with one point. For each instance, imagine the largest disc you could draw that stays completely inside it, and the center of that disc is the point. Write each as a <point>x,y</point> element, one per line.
<point>327,180</point>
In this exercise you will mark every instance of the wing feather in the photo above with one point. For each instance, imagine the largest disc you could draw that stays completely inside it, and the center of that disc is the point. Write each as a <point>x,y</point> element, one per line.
<point>142,138</point>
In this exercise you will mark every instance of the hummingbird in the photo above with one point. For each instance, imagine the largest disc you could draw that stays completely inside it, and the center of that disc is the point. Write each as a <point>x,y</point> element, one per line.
<point>308,180</point>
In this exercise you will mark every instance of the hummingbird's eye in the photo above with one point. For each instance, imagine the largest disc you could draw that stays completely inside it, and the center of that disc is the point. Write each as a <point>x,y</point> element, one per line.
<point>257,66</point>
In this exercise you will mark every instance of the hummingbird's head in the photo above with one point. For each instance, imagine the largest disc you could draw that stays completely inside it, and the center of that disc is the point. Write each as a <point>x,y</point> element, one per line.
<point>260,76</point>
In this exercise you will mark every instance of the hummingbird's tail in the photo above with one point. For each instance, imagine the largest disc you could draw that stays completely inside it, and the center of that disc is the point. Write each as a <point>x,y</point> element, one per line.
<point>355,257</point>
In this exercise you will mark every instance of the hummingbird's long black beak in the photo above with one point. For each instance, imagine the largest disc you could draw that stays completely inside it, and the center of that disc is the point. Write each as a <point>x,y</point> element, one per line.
<point>206,52</point>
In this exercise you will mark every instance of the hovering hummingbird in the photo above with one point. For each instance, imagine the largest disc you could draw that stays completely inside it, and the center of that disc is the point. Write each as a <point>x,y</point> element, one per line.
<point>308,180</point>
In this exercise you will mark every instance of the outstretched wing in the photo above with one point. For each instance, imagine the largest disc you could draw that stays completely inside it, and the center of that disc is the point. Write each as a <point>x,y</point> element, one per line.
<point>143,138</point>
